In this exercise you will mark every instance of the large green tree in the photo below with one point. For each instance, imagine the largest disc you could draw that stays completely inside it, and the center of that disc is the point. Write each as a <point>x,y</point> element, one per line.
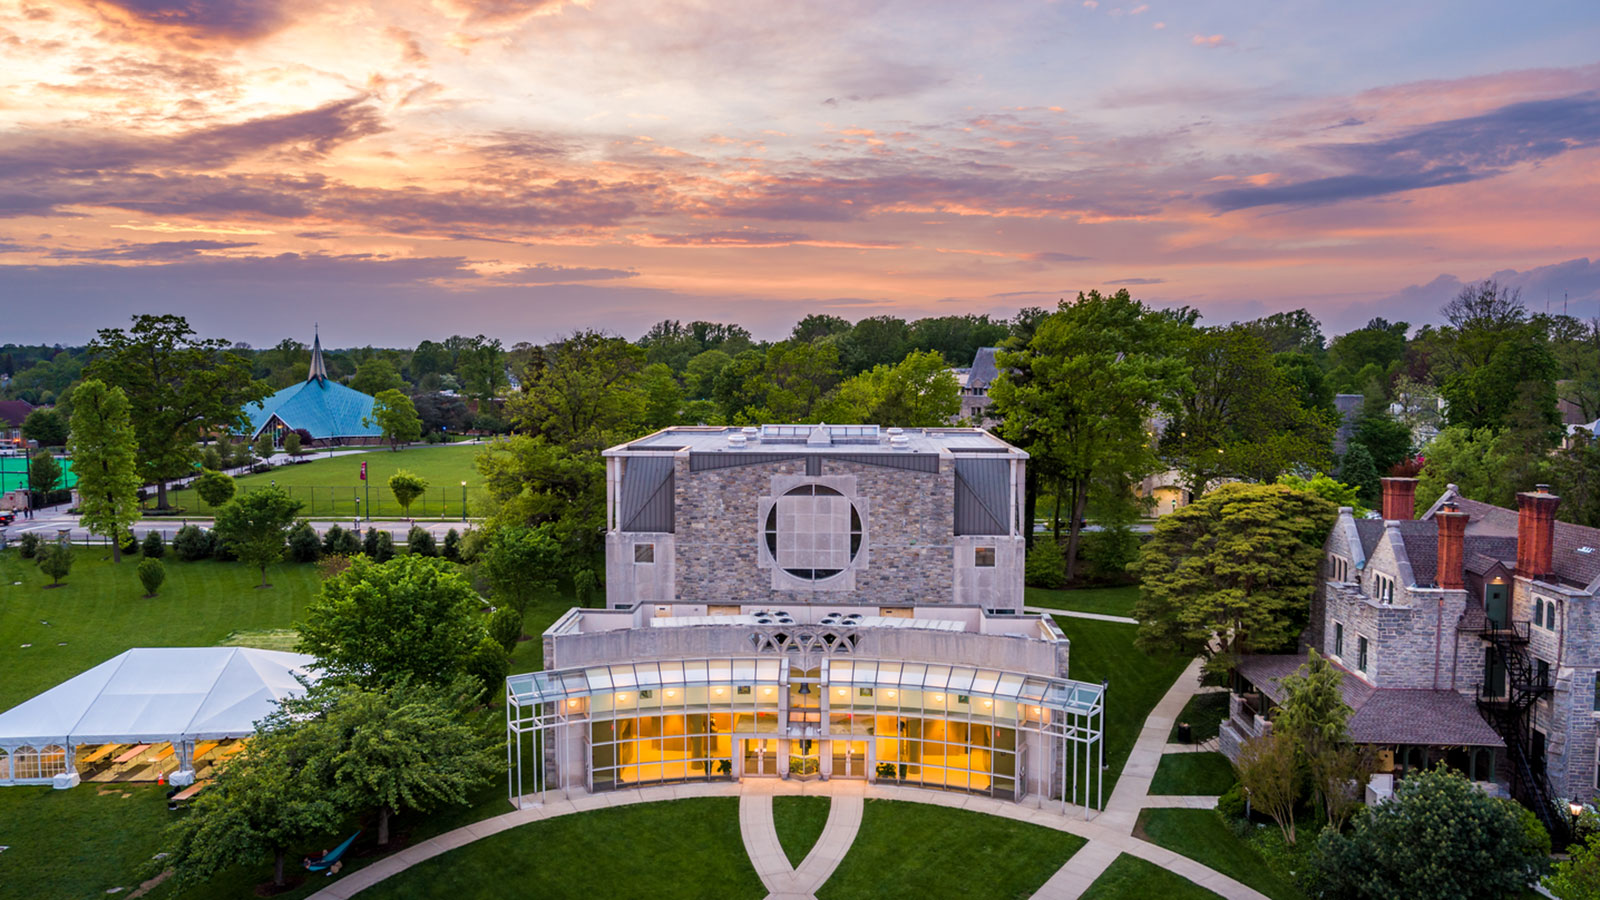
<point>104,457</point>
<point>179,387</point>
<point>531,481</point>
<point>264,802</point>
<point>787,383</point>
<point>255,526</point>
<point>411,617</point>
<point>1232,573</point>
<point>1238,416</point>
<point>47,427</point>
<point>521,563</point>
<point>581,392</point>
<point>1081,394</point>
<point>402,747</point>
<point>1440,838</point>
<point>920,391</point>
<point>375,376</point>
<point>393,412</point>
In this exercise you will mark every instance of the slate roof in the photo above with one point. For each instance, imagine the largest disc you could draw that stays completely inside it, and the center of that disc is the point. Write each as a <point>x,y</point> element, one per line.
<point>1421,539</point>
<point>1370,531</point>
<point>983,370</point>
<point>12,412</point>
<point>326,409</point>
<point>1492,535</point>
<point>1386,715</point>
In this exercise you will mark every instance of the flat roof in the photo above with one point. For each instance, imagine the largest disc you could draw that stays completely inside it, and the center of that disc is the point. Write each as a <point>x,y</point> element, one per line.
<point>821,438</point>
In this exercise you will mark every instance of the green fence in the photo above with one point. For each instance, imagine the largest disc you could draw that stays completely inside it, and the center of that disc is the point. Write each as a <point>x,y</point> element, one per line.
<point>317,502</point>
<point>14,473</point>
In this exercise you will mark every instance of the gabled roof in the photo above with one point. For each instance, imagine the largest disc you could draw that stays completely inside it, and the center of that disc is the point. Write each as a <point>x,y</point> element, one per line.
<point>12,412</point>
<point>160,694</point>
<point>325,408</point>
<point>1492,534</point>
<point>983,370</point>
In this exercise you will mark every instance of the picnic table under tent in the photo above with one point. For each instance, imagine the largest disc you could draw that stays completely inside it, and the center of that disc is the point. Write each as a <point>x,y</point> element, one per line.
<point>154,705</point>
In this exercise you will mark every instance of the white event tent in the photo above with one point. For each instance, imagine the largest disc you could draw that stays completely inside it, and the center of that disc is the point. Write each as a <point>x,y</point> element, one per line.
<point>176,695</point>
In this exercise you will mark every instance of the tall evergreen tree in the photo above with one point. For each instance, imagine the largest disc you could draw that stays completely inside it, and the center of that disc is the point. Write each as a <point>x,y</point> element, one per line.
<point>104,457</point>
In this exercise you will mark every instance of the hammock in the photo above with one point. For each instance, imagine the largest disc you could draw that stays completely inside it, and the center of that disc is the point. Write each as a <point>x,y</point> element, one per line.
<point>332,856</point>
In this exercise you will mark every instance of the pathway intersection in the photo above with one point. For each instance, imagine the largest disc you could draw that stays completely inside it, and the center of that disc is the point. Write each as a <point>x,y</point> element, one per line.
<point>1109,833</point>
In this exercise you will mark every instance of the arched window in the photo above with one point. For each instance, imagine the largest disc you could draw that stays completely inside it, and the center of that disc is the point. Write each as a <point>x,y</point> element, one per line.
<point>52,761</point>
<point>813,532</point>
<point>25,763</point>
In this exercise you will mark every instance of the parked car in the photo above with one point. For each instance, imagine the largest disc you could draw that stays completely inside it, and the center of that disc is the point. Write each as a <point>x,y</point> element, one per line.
<point>7,517</point>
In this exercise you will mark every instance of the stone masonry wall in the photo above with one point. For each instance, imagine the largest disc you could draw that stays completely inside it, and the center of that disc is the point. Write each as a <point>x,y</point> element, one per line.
<point>909,533</point>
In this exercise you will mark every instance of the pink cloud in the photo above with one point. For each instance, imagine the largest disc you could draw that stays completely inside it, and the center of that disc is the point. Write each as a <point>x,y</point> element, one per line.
<point>1215,40</point>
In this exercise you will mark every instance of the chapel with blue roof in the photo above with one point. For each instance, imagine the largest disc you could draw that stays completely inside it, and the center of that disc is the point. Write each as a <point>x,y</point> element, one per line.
<point>330,412</point>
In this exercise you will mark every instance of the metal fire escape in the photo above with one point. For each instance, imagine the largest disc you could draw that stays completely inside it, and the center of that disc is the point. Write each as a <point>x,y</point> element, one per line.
<point>1511,715</point>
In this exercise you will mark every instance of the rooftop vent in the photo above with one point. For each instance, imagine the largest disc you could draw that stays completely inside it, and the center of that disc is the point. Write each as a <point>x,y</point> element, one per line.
<point>899,442</point>
<point>736,440</point>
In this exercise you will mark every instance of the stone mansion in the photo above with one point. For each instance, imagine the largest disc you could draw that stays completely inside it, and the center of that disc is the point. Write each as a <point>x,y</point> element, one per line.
<point>1469,636</point>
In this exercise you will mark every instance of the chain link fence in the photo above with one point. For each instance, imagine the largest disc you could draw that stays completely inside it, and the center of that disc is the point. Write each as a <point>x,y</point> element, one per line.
<point>319,502</point>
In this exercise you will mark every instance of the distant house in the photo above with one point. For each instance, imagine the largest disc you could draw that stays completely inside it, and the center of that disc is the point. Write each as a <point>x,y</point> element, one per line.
<point>975,387</point>
<point>12,412</point>
<point>330,412</point>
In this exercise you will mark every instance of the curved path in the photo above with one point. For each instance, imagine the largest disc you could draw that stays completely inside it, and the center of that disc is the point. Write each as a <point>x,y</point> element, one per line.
<point>1109,833</point>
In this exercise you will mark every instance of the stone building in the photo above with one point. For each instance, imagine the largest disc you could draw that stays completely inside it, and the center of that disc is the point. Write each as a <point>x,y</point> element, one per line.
<point>1468,636</point>
<point>975,382</point>
<point>799,601</point>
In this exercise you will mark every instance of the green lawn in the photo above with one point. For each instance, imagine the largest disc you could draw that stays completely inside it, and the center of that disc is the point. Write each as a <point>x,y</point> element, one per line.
<point>330,486</point>
<point>1132,878</point>
<point>800,821</point>
<point>1203,836</point>
<point>1112,601</point>
<point>681,848</point>
<point>77,843</point>
<point>48,635</point>
<point>915,851</point>
<point>1194,774</point>
<point>1204,713</point>
<point>1105,651</point>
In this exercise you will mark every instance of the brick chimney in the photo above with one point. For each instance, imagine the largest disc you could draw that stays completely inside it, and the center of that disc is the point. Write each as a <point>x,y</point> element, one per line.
<point>1452,538</point>
<point>1536,531</point>
<point>1399,497</point>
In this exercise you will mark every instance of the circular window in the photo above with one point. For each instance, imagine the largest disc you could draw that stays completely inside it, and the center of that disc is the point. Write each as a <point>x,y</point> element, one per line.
<point>813,532</point>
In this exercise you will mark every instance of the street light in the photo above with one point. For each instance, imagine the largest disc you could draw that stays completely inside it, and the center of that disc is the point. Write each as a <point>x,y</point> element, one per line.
<point>463,501</point>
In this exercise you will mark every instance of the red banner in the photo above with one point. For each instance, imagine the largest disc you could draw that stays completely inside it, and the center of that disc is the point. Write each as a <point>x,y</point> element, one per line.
<point>363,471</point>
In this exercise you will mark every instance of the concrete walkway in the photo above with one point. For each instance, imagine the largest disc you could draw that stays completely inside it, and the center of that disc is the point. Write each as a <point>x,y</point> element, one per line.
<point>760,834</point>
<point>1109,833</point>
<point>1075,614</point>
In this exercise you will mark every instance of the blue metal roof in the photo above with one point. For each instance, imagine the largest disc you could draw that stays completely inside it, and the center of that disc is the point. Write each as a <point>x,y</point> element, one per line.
<point>324,408</point>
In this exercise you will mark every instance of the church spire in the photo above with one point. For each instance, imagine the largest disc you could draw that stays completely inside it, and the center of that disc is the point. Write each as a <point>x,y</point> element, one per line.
<point>319,371</point>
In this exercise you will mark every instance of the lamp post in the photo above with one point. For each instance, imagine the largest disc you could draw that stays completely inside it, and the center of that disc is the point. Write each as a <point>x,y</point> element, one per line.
<point>463,501</point>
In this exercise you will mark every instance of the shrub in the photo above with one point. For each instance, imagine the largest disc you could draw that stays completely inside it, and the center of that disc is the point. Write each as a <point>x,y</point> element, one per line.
<point>1108,553</point>
<point>28,544</point>
<point>489,664</point>
<point>1440,838</point>
<point>452,545</point>
<point>130,544</point>
<point>220,551</point>
<point>55,560</point>
<point>338,541</point>
<point>215,488</point>
<point>583,585</point>
<point>192,543</point>
<point>151,574</point>
<point>153,547</point>
<point>211,459</point>
<point>306,440</point>
<point>304,545</point>
<point>332,564</point>
<point>378,545</point>
<point>505,626</point>
<point>1046,567</point>
<point>291,444</point>
<point>419,542</point>
<point>263,448</point>
<point>1232,803</point>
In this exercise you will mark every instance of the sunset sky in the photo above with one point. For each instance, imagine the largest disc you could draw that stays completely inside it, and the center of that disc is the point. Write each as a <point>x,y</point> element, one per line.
<point>399,170</point>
